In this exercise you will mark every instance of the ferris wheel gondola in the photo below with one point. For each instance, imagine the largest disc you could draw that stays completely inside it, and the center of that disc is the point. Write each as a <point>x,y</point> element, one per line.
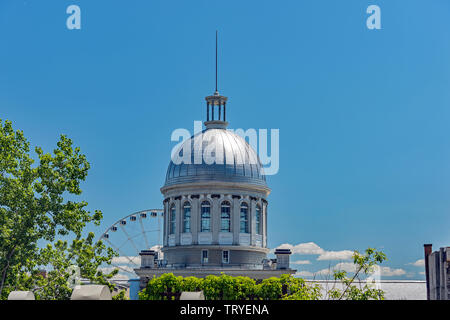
<point>131,234</point>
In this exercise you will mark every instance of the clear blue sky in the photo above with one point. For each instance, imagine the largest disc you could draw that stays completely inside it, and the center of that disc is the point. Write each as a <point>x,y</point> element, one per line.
<point>363,114</point>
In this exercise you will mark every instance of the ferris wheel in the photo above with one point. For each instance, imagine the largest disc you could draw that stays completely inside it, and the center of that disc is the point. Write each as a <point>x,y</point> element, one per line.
<point>129,235</point>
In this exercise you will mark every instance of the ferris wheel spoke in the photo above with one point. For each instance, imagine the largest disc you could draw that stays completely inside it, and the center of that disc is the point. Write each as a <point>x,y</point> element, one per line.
<point>130,239</point>
<point>125,270</point>
<point>144,233</point>
<point>120,251</point>
<point>149,229</point>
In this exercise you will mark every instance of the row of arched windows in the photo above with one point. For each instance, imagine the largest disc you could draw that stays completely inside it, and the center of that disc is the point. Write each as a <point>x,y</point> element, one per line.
<point>205,218</point>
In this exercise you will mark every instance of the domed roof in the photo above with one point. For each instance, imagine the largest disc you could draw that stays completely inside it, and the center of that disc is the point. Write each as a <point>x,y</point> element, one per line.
<point>227,157</point>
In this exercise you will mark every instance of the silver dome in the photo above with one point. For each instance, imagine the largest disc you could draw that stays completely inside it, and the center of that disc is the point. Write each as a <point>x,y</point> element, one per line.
<point>235,160</point>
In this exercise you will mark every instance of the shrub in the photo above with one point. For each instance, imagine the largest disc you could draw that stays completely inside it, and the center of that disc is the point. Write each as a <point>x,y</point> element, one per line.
<point>191,284</point>
<point>225,287</point>
<point>270,289</point>
<point>162,287</point>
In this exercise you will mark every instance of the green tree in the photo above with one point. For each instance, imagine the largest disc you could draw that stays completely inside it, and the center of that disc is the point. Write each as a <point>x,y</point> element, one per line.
<point>191,284</point>
<point>159,287</point>
<point>83,258</point>
<point>270,289</point>
<point>365,265</point>
<point>33,208</point>
<point>225,287</point>
<point>298,289</point>
<point>286,287</point>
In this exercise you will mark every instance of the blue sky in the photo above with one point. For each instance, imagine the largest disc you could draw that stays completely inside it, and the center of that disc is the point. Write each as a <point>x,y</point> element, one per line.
<point>363,114</point>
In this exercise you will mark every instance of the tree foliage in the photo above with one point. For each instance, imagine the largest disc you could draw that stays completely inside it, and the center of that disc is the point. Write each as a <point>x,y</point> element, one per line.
<point>286,287</point>
<point>298,289</point>
<point>34,208</point>
<point>225,287</point>
<point>365,265</point>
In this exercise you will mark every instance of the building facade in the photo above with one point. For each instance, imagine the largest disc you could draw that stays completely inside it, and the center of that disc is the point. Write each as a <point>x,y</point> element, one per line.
<point>215,207</point>
<point>437,272</point>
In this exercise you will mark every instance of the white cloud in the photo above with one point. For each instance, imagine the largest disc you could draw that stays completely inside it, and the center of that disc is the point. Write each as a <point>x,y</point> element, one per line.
<point>126,260</point>
<point>313,249</point>
<point>389,272</point>
<point>304,274</point>
<point>343,266</point>
<point>418,263</point>
<point>301,262</point>
<point>351,268</point>
<point>303,248</point>
<point>336,255</point>
<point>346,266</point>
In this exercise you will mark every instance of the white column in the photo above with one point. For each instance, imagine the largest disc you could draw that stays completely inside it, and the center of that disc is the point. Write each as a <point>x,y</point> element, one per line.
<point>264,226</point>
<point>195,218</point>
<point>215,219</point>
<point>178,222</point>
<point>252,222</point>
<point>235,220</point>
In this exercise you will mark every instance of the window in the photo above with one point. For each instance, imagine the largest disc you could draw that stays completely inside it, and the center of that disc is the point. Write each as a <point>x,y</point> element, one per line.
<point>204,256</point>
<point>187,217</point>
<point>225,217</point>
<point>205,217</point>
<point>258,219</point>
<point>225,256</point>
<point>172,220</point>
<point>244,218</point>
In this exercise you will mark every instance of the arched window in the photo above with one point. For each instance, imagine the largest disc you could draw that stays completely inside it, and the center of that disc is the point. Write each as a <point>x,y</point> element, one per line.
<point>225,217</point>
<point>172,220</point>
<point>258,219</point>
<point>205,217</point>
<point>244,218</point>
<point>187,217</point>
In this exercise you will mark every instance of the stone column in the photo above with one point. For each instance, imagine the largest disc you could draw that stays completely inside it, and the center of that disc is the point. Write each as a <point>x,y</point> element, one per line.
<point>264,226</point>
<point>195,218</point>
<point>178,221</point>
<point>235,220</point>
<point>252,221</point>
<point>230,201</point>
<point>215,219</point>
<point>224,111</point>
<point>202,198</point>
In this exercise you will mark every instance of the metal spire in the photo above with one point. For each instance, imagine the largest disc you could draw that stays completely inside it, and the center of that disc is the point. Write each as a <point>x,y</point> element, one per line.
<point>216,100</point>
<point>216,60</point>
